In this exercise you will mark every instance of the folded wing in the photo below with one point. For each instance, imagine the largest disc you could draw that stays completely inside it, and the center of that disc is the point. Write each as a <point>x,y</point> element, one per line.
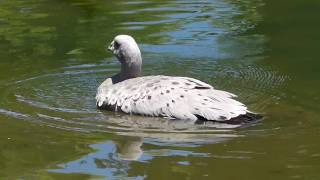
<point>173,97</point>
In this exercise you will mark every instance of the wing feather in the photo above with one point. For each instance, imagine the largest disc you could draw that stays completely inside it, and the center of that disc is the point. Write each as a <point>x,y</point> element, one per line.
<point>173,97</point>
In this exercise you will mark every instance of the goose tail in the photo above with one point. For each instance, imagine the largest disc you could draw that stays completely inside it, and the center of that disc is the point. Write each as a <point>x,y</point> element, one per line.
<point>249,117</point>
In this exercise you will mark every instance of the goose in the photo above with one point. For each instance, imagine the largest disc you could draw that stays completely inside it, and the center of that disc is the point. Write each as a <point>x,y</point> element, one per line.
<point>170,97</point>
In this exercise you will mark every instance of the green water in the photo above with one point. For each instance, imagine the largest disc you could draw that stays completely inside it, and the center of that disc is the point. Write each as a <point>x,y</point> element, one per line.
<point>52,58</point>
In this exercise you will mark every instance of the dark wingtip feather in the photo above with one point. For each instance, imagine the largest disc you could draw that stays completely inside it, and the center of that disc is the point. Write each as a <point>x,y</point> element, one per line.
<point>245,118</point>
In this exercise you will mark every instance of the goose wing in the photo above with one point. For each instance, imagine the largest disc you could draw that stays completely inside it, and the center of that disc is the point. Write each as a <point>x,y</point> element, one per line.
<point>173,97</point>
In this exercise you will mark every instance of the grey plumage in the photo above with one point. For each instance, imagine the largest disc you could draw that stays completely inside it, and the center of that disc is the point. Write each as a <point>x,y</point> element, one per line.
<point>166,96</point>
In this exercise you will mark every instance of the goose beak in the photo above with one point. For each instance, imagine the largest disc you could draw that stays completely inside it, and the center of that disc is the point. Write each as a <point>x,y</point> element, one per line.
<point>111,46</point>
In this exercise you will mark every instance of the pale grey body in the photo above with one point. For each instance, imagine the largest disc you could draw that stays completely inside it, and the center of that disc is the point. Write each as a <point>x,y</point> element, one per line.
<point>167,96</point>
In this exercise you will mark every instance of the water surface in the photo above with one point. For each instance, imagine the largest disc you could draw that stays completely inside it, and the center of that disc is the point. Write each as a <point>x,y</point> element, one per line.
<point>53,58</point>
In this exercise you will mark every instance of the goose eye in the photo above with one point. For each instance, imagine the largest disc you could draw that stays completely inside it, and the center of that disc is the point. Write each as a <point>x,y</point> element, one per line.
<point>116,45</point>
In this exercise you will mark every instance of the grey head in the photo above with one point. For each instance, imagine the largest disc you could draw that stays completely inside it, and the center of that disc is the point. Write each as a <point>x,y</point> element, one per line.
<point>127,51</point>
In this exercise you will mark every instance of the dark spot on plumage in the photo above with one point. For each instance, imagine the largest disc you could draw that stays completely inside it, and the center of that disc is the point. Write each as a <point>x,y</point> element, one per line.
<point>188,84</point>
<point>201,87</point>
<point>205,99</point>
<point>185,90</point>
<point>204,104</point>
<point>172,88</point>
<point>199,95</point>
<point>215,99</point>
<point>222,117</point>
<point>106,106</point>
<point>173,101</point>
<point>126,107</point>
<point>214,108</point>
<point>148,91</point>
<point>149,84</point>
<point>155,88</point>
<point>182,96</point>
<point>197,109</point>
<point>201,118</point>
<point>149,97</point>
<point>167,91</point>
<point>168,105</point>
<point>162,93</point>
<point>194,82</point>
<point>175,83</point>
<point>135,100</point>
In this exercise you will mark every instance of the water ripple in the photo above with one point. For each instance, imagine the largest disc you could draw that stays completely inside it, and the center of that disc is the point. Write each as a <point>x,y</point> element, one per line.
<point>64,99</point>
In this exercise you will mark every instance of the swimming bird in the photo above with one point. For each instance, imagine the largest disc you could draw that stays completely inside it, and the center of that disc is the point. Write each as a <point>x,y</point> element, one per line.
<point>164,96</point>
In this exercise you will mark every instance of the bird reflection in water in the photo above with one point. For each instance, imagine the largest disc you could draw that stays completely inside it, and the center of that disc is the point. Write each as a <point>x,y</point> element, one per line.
<point>141,139</point>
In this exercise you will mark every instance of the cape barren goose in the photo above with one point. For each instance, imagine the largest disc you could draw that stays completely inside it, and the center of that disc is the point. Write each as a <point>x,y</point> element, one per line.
<point>166,96</point>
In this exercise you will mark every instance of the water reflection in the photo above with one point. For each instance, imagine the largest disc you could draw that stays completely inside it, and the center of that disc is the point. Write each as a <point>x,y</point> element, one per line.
<point>114,159</point>
<point>103,162</point>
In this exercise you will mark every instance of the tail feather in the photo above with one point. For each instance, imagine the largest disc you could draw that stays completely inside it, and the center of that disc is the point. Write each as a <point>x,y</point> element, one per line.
<point>244,118</point>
